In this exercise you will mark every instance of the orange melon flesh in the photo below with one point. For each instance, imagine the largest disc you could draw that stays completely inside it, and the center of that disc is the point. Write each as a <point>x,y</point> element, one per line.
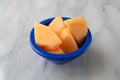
<point>57,25</point>
<point>78,28</point>
<point>45,37</point>
<point>69,44</point>
<point>57,51</point>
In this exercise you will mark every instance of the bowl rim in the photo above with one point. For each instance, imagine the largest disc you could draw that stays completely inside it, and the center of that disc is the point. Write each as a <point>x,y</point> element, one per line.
<point>46,54</point>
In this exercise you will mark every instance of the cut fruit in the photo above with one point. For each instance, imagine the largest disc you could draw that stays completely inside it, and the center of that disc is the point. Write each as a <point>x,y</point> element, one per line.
<point>78,28</point>
<point>69,44</point>
<point>45,37</point>
<point>57,51</point>
<point>61,37</point>
<point>57,25</point>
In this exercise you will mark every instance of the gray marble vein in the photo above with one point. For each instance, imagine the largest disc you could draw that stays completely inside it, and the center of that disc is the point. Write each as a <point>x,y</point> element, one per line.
<point>19,62</point>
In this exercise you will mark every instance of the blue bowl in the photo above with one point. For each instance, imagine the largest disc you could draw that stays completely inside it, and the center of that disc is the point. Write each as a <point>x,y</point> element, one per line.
<point>60,58</point>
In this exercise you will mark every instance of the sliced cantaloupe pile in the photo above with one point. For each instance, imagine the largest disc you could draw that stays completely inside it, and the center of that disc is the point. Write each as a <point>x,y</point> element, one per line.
<point>78,28</point>
<point>61,37</point>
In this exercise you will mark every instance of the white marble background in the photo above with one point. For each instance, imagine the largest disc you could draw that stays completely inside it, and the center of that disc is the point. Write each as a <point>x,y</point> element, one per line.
<point>19,62</point>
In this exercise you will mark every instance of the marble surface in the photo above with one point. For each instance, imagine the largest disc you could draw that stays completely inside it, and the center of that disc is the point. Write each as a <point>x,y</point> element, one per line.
<point>19,62</point>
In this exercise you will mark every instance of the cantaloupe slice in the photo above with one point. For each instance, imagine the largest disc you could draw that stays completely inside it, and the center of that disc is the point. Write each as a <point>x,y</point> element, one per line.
<point>45,37</point>
<point>78,28</point>
<point>57,51</point>
<point>69,44</point>
<point>57,25</point>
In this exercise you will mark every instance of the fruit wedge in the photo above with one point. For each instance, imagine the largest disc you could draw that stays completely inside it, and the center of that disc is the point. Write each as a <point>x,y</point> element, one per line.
<point>45,37</point>
<point>78,28</point>
<point>57,25</point>
<point>69,44</point>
